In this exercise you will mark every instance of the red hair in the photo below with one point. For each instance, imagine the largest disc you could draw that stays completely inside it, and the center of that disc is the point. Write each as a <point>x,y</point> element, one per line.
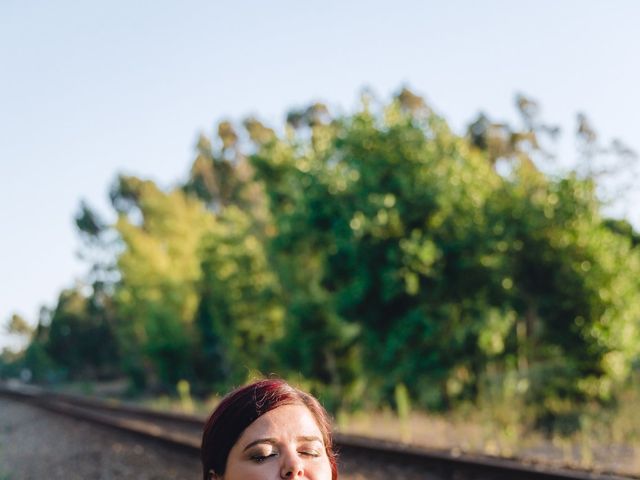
<point>242,407</point>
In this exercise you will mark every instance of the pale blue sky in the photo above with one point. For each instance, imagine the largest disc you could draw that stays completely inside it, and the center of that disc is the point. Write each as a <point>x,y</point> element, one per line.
<point>90,89</point>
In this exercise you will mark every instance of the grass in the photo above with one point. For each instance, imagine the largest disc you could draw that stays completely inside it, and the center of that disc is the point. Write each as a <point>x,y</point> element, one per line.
<point>606,440</point>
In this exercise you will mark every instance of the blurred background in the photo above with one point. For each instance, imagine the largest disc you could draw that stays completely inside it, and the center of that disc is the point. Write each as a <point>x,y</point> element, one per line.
<point>416,211</point>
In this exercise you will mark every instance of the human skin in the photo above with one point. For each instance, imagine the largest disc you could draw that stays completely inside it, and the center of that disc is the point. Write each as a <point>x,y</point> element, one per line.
<point>283,443</point>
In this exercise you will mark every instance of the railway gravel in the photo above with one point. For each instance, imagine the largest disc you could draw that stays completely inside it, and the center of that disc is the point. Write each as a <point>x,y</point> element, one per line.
<point>36,444</point>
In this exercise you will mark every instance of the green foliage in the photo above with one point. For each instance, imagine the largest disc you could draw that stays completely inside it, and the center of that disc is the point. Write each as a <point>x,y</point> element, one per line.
<point>404,245</point>
<point>184,392</point>
<point>367,216</point>
<point>80,338</point>
<point>378,257</point>
<point>31,364</point>
<point>403,408</point>
<point>17,325</point>
<point>240,315</point>
<point>157,295</point>
<point>39,364</point>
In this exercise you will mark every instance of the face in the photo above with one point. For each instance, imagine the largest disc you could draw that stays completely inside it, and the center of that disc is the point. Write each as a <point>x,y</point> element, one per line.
<point>285,442</point>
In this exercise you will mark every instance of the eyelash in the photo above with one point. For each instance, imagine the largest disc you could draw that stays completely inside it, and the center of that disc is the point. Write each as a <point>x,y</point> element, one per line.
<point>262,458</point>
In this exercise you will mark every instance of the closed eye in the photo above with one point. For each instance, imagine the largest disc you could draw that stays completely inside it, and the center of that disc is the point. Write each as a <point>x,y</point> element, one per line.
<point>262,458</point>
<point>309,453</point>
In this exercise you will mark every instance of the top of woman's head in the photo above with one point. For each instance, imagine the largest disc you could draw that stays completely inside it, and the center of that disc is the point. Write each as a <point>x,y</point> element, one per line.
<point>242,407</point>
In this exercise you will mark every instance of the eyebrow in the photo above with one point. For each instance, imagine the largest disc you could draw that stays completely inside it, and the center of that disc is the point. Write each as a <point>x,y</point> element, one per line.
<point>272,441</point>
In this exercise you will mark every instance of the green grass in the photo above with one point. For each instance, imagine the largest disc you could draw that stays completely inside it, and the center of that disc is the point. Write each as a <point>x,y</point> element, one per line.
<point>603,438</point>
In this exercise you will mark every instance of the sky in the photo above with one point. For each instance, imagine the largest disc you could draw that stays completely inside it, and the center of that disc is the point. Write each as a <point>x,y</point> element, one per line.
<point>89,90</point>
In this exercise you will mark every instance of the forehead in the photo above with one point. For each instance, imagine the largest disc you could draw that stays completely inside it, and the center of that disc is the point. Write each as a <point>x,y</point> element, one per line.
<point>285,421</point>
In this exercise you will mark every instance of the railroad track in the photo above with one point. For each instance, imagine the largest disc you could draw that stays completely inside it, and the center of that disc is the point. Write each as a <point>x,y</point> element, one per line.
<point>183,432</point>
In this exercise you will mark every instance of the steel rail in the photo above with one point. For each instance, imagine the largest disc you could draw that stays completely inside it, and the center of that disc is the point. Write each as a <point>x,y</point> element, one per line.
<point>183,432</point>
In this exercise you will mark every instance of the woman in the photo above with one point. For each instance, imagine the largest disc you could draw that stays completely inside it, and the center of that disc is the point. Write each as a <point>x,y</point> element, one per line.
<point>268,430</point>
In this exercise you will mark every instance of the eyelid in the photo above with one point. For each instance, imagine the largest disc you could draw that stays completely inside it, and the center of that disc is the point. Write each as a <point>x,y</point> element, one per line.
<point>263,447</point>
<point>263,450</point>
<point>260,457</point>
<point>260,452</point>
<point>311,448</point>
<point>310,452</point>
<point>262,441</point>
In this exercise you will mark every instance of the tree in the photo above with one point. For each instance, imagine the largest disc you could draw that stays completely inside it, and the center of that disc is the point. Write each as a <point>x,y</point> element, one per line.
<point>81,336</point>
<point>375,252</point>
<point>240,315</point>
<point>157,295</point>
<point>405,252</point>
<point>17,325</point>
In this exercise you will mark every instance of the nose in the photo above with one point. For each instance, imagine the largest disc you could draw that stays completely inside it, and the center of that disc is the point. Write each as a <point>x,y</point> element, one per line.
<point>292,466</point>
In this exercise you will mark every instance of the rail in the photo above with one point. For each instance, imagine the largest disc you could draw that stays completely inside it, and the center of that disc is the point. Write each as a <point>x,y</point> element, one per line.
<point>183,432</point>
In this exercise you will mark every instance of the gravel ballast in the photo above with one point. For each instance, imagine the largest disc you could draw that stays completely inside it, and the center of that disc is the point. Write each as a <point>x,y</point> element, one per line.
<point>36,444</point>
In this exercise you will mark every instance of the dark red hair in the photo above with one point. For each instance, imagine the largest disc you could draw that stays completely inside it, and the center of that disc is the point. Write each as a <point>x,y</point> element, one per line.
<point>242,407</point>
